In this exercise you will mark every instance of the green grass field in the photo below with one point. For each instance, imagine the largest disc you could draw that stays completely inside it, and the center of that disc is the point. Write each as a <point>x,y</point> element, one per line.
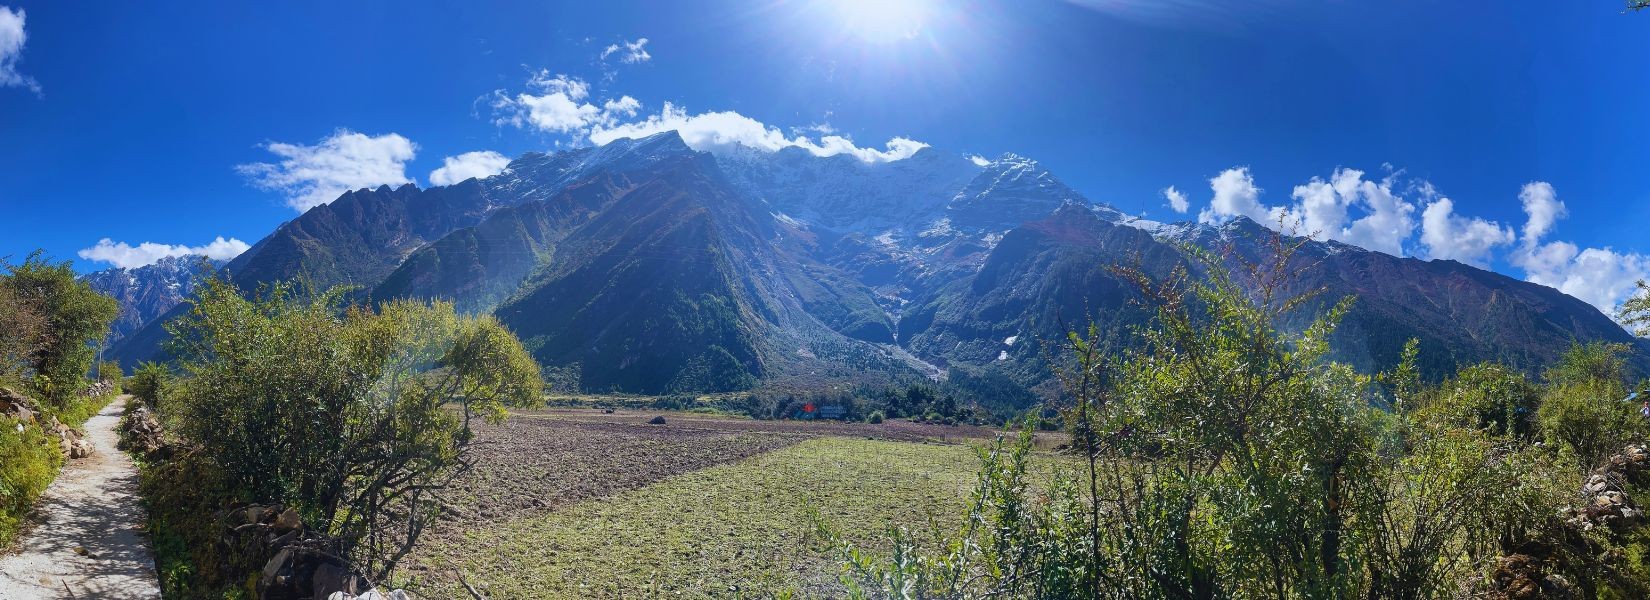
<point>740,529</point>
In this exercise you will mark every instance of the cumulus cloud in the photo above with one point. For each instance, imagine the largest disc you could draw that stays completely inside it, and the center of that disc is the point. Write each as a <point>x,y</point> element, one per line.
<point>1177,199</point>
<point>1235,196</point>
<point>126,256</point>
<point>558,104</point>
<point>1541,204</point>
<point>12,38</point>
<point>1467,239</point>
<point>561,104</point>
<point>1388,219</point>
<point>312,175</point>
<point>484,163</point>
<point>713,131</point>
<point>629,52</point>
<point>1600,276</point>
<point>1322,209</point>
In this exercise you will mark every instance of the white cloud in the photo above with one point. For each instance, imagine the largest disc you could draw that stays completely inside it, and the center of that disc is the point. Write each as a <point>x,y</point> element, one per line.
<point>310,176</point>
<point>561,104</point>
<point>12,38</point>
<point>1321,209</point>
<point>1466,239</point>
<point>1541,204</point>
<point>720,130</point>
<point>1235,195</point>
<point>625,105</point>
<point>1600,276</point>
<point>485,163</point>
<point>629,52</point>
<point>126,256</point>
<point>1388,218</point>
<point>1176,198</point>
<point>979,161</point>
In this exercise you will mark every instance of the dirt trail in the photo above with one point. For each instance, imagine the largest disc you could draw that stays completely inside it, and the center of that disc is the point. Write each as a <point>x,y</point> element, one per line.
<point>91,508</point>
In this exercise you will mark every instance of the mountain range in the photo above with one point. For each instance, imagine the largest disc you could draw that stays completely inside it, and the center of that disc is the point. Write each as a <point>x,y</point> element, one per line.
<point>645,266</point>
<point>149,291</point>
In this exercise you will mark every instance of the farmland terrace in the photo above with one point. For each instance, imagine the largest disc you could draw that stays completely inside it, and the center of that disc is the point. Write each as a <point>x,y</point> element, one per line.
<point>583,502</point>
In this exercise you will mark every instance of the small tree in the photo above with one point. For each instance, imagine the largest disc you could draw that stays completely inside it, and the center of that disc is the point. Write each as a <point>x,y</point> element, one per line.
<point>355,417</point>
<point>76,318</point>
<point>22,332</point>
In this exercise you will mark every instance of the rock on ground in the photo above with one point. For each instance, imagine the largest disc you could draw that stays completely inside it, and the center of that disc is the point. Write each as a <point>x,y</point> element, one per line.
<point>88,541</point>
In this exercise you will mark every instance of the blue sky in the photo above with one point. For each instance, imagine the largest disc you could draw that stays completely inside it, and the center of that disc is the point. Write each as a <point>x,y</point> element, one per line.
<point>148,122</point>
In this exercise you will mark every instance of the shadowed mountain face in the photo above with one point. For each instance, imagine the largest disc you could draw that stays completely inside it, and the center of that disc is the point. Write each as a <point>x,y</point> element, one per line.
<point>644,266</point>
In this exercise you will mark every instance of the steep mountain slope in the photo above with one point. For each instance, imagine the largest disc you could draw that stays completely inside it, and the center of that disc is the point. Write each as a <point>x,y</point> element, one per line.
<point>364,235</point>
<point>1460,314</point>
<point>675,287</point>
<point>477,267</point>
<point>149,291</point>
<point>1043,279</point>
<point>1056,270</point>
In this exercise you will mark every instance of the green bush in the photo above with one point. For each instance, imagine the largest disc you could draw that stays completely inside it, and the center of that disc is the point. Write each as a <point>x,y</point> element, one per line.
<point>1487,396</point>
<point>875,418</point>
<point>76,319</point>
<point>1582,412</point>
<point>29,460</point>
<point>353,416</point>
<point>148,383</point>
<point>1229,457</point>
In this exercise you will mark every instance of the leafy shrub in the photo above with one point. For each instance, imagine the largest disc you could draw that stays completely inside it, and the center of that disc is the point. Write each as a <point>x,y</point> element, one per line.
<point>148,383</point>
<point>1487,396</point>
<point>29,460</point>
<point>1582,411</point>
<point>341,413</point>
<point>75,318</point>
<point>875,418</point>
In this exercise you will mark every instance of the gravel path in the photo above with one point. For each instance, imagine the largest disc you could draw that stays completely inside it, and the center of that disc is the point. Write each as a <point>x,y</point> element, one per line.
<point>88,540</point>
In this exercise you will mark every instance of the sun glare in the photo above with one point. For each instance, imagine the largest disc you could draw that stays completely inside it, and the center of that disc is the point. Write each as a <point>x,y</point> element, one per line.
<point>883,21</point>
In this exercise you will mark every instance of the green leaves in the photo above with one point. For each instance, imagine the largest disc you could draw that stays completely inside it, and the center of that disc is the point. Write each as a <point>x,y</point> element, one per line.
<point>350,414</point>
<point>50,327</point>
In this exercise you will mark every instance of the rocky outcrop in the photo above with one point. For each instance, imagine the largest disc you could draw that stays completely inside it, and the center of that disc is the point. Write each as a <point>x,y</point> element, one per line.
<point>26,412</point>
<point>1526,577</point>
<point>302,563</point>
<point>18,407</point>
<point>141,432</point>
<point>299,563</point>
<point>1605,502</point>
<point>1531,571</point>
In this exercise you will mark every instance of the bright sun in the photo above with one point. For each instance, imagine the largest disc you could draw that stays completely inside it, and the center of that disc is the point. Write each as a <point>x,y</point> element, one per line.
<point>883,20</point>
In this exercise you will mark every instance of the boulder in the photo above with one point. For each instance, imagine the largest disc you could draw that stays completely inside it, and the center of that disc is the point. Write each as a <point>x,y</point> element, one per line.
<point>288,521</point>
<point>18,407</point>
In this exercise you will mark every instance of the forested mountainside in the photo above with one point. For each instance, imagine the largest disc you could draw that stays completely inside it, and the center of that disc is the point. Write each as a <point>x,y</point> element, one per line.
<point>645,266</point>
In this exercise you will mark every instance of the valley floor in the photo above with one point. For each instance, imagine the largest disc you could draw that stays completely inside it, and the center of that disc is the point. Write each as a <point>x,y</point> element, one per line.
<point>87,541</point>
<point>580,503</point>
